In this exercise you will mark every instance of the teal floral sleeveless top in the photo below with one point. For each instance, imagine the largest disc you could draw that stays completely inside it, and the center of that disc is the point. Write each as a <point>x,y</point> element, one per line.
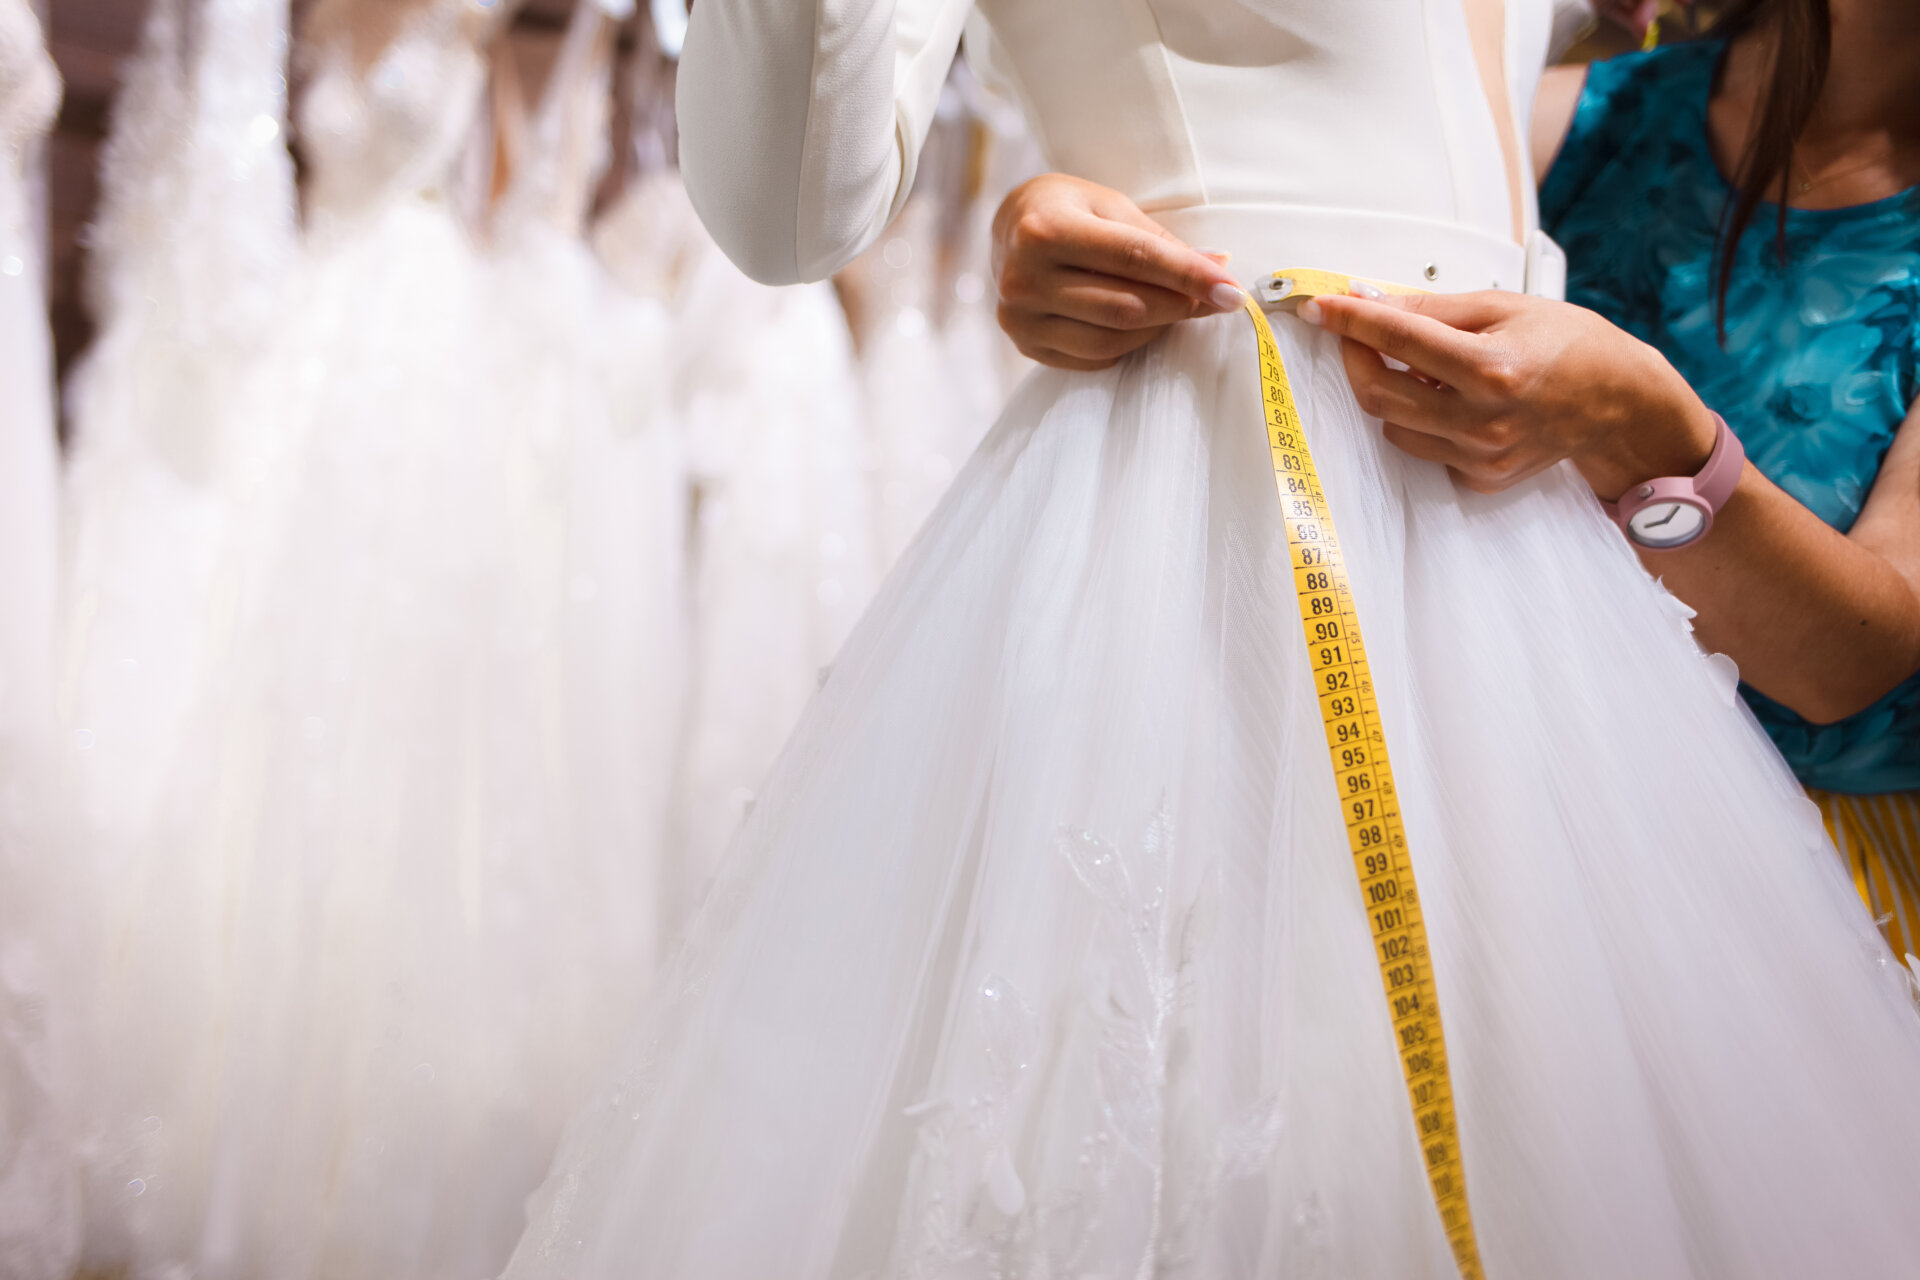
<point>1819,366</point>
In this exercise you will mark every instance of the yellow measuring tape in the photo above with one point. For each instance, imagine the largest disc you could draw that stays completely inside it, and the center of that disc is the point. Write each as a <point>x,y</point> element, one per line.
<point>1358,747</point>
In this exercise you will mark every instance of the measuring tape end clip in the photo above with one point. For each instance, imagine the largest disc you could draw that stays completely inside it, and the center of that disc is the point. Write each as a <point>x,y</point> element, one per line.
<point>1286,289</point>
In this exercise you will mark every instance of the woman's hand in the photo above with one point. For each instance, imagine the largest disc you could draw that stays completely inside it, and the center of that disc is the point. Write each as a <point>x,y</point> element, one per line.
<point>1085,277</point>
<point>1500,386</point>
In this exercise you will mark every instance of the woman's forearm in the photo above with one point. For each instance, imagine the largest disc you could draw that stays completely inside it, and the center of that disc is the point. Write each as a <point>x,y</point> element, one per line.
<point>1823,622</point>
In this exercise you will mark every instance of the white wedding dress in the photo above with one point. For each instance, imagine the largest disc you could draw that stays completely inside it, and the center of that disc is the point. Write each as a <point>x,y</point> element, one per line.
<point>29,96</point>
<point>189,258</point>
<point>39,1225</point>
<point>357,955</point>
<point>1041,954</point>
<point>588,366</point>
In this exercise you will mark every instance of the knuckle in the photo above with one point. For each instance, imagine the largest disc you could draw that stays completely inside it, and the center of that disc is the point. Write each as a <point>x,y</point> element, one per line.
<point>1016,284</point>
<point>1033,230</point>
<point>1503,375</point>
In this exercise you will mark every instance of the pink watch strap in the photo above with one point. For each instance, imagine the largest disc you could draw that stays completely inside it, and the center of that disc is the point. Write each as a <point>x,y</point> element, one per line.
<point>1718,479</point>
<point>1713,485</point>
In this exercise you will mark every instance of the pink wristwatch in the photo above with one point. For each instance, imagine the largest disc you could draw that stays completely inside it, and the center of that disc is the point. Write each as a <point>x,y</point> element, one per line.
<point>1676,510</point>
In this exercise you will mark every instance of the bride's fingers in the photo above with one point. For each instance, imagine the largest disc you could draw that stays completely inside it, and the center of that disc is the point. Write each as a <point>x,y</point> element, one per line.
<point>1111,204</point>
<point>1081,341</point>
<point>1061,360</point>
<point>1110,248</point>
<point>1111,303</point>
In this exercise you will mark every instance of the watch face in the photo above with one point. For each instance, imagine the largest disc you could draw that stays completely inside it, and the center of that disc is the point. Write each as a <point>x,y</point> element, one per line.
<point>1667,524</point>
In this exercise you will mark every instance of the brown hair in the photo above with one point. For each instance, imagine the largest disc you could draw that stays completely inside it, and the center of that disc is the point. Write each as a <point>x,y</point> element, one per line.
<point>1802,36</point>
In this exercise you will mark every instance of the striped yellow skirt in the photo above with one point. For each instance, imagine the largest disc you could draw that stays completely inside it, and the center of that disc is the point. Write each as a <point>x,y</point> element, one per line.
<point>1879,839</point>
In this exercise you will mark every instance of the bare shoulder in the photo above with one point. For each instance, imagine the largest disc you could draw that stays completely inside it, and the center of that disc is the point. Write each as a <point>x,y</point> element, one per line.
<point>1553,108</point>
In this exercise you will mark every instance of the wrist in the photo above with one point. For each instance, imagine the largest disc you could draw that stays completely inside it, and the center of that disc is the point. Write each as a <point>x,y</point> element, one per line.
<point>1674,438</point>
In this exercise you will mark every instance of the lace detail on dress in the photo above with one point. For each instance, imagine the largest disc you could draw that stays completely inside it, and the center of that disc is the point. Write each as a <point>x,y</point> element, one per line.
<point>972,1212</point>
<point>964,1147</point>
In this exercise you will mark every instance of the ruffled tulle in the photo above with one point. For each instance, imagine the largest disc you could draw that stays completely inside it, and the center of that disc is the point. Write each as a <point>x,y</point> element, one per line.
<point>1041,953</point>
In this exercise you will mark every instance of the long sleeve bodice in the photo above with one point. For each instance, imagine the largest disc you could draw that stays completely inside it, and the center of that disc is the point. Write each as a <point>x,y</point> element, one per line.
<point>801,122</point>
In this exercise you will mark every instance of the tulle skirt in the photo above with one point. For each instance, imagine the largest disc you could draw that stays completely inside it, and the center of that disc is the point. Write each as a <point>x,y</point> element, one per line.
<point>1042,955</point>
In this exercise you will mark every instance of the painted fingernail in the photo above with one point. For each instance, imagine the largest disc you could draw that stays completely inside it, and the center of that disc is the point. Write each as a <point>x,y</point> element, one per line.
<point>1361,289</point>
<point>1225,296</point>
<point>1310,311</point>
<point>1218,255</point>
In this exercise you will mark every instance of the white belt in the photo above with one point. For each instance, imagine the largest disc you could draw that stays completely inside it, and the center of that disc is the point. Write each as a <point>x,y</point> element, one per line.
<point>1441,256</point>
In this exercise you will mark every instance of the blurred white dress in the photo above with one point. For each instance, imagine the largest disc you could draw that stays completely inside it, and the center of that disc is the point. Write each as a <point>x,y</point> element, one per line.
<point>587,364</point>
<point>1041,954</point>
<point>29,96</point>
<point>356,967</point>
<point>189,258</point>
<point>781,540</point>
<point>38,1195</point>
<point>935,369</point>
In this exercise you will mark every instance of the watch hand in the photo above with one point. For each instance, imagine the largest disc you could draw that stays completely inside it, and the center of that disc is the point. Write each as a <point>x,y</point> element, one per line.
<point>1671,513</point>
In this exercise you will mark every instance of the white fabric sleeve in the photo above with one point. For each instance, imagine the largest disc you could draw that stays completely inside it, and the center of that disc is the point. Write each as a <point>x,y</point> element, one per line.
<point>801,122</point>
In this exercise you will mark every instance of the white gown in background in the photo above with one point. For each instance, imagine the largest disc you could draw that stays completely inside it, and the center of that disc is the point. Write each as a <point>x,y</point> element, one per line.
<point>781,541</point>
<point>29,96</point>
<point>1041,954</point>
<point>935,368</point>
<point>188,261</point>
<point>38,1194</point>
<point>190,256</point>
<point>587,364</point>
<point>357,977</point>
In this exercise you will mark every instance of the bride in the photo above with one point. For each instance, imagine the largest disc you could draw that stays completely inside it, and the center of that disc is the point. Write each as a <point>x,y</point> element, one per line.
<point>1041,954</point>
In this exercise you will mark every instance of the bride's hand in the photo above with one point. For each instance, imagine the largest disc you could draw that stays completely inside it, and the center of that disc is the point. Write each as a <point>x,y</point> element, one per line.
<point>1509,385</point>
<point>1085,277</point>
